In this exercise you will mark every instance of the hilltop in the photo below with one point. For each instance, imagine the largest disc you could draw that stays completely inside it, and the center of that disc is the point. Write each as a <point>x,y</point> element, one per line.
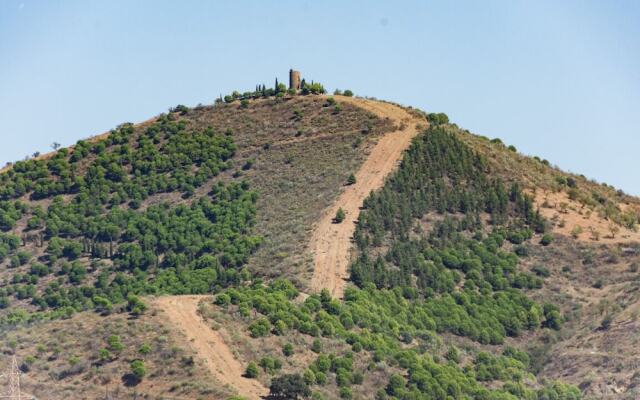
<point>327,246</point>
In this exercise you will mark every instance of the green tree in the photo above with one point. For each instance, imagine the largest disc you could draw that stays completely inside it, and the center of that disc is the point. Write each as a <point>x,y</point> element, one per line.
<point>287,350</point>
<point>340,216</point>
<point>260,328</point>
<point>289,387</point>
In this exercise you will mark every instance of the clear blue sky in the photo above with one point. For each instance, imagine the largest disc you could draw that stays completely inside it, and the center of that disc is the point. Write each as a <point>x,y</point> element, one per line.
<point>560,80</point>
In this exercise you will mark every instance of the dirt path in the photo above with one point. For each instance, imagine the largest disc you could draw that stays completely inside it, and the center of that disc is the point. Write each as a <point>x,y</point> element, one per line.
<point>331,243</point>
<point>182,313</point>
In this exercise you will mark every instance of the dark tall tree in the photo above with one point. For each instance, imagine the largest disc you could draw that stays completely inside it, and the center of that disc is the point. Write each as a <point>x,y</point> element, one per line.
<point>289,387</point>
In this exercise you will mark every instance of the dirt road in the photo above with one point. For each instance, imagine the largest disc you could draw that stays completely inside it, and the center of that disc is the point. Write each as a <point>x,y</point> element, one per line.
<point>330,242</point>
<point>182,313</point>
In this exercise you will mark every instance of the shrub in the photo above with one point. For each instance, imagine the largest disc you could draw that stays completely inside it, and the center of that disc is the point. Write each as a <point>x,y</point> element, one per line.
<point>247,165</point>
<point>287,350</point>
<point>316,346</point>
<point>541,270</point>
<point>138,369</point>
<point>72,249</point>
<point>222,300</point>
<point>260,328</point>
<point>553,319</point>
<point>351,179</point>
<point>270,364</point>
<point>576,231</point>
<point>606,322</point>
<point>522,251</point>
<point>438,118</point>
<point>396,384</point>
<point>244,103</point>
<point>321,378</point>
<point>102,304</point>
<point>115,344</point>
<point>251,371</point>
<point>453,354</point>
<point>104,355</point>
<point>347,93</point>
<point>23,257</point>
<point>134,305</point>
<point>340,216</point>
<point>182,109</point>
<point>145,348</point>
<point>309,377</point>
<point>546,239</point>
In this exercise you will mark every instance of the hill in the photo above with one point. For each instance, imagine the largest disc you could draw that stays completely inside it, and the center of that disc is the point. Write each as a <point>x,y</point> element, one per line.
<point>458,266</point>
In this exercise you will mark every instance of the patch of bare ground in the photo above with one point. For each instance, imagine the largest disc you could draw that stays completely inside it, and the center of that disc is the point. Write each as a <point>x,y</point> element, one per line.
<point>182,314</point>
<point>331,242</point>
<point>571,218</point>
<point>61,360</point>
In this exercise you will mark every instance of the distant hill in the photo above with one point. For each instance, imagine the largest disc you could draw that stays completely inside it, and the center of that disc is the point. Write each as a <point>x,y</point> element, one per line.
<point>460,268</point>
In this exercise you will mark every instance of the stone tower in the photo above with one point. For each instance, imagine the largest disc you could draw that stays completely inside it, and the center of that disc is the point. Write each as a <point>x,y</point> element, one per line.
<point>294,79</point>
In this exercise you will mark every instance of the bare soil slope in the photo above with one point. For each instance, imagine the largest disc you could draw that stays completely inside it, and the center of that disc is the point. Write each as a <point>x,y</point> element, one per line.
<point>331,242</point>
<point>182,313</point>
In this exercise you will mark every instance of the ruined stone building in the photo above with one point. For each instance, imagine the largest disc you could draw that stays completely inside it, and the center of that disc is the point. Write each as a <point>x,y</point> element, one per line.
<point>294,80</point>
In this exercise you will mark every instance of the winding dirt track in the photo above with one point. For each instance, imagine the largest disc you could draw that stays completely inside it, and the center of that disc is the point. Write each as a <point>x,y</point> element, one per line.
<point>330,242</point>
<point>182,313</point>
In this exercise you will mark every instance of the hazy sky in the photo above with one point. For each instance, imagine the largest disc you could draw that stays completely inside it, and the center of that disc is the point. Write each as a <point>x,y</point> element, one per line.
<point>560,80</point>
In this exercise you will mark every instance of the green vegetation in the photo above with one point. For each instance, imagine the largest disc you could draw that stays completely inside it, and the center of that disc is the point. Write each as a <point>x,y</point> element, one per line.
<point>189,248</point>
<point>351,180</point>
<point>460,277</point>
<point>138,369</point>
<point>289,387</point>
<point>162,211</point>
<point>438,118</point>
<point>252,371</point>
